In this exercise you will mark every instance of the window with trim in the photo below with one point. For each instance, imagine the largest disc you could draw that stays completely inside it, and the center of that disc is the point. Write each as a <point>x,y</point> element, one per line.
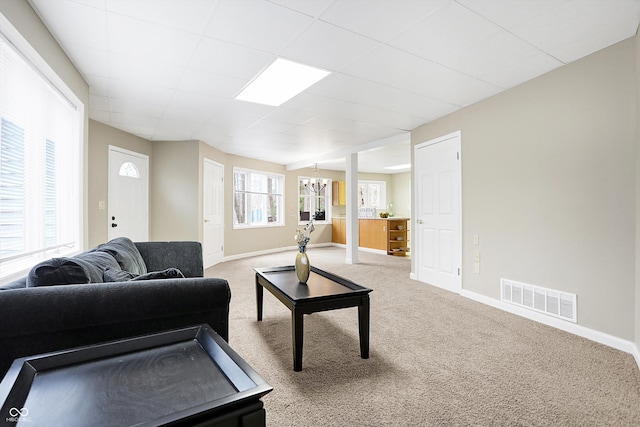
<point>258,198</point>
<point>40,166</point>
<point>314,199</point>
<point>372,194</point>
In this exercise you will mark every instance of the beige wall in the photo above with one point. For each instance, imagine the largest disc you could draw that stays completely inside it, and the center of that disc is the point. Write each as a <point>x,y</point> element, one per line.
<point>22,17</point>
<point>637,195</point>
<point>548,178</point>
<point>175,193</point>
<point>400,194</point>
<point>100,137</point>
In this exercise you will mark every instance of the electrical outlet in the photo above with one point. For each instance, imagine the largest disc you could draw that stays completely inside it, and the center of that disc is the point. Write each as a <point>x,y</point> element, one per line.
<point>476,239</point>
<point>476,256</point>
<point>101,205</point>
<point>476,268</point>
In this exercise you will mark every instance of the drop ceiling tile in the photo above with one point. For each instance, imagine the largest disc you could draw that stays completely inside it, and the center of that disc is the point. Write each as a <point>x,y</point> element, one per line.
<point>193,108</point>
<point>229,60</point>
<point>327,46</point>
<point>186,15</point>
<point>89,27</point>
<point>379,20</point>
<point>208,83</point>
<point>267,125</point>
<point>592,42</point>
<point>503,51</point>
<point>415,74</point>
<point>570,27</point>
<point>313,8</point>
<point>290,116</point>
<point>88,60</point>
<point>134,37</point>
<point>367,92</point>
<point>145,72</point>
<point>451,29</point>
<point>258,24</point>
<point>512,12</point>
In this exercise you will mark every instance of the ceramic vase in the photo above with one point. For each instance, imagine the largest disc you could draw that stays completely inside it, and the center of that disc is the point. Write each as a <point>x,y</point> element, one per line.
<point>303,267</point>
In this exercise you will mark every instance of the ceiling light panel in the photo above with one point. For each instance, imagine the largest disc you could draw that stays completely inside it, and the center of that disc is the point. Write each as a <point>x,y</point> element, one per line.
<point>281,81</point>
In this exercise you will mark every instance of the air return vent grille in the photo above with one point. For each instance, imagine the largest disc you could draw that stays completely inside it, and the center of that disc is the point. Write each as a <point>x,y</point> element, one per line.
<point>547,301</point>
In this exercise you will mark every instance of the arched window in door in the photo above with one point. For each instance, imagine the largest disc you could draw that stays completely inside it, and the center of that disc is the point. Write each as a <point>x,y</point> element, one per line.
<point>129,169</point>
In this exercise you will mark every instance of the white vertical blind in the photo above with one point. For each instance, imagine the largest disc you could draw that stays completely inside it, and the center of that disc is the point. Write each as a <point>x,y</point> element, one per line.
<point>39,173</point>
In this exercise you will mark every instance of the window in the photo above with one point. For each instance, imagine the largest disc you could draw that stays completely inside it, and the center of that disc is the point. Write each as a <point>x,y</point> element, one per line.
<point>372,194</point>
<point>258,199</point>
<point>40,178</point>
<point>314,201</point>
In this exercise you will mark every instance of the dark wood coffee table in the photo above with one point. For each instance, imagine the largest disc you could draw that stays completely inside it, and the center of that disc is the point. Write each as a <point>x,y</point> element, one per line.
<point>183,377</point>
<point>323,291</point>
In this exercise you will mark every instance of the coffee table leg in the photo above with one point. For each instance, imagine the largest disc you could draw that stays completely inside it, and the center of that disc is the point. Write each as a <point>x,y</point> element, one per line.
<point>297,335</point>
<point>259,298</point>
<point>363,324</point>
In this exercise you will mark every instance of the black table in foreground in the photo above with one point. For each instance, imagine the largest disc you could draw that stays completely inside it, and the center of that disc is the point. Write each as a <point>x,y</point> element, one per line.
<point>323,291</point>
<point>184,377</point>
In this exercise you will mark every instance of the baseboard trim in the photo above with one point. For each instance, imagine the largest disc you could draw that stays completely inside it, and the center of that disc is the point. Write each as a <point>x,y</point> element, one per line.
<point>573,328</point>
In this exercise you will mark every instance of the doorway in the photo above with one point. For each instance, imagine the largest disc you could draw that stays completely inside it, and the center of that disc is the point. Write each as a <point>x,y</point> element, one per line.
<point>438,213</point>
<point>213,213</point>
<point>128,195</point>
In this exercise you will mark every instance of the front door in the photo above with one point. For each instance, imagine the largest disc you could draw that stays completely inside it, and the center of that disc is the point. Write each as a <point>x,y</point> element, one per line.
<point>438,215</point>
<point>128,212</point>
<point>212,215</point>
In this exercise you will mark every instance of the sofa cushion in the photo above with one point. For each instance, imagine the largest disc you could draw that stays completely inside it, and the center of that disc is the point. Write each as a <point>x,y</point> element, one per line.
<point>126,254</point>
<point>57,271</point>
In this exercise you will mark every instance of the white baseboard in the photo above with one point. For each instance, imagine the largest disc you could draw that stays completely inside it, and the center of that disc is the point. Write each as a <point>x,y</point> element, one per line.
<point>591,334</point>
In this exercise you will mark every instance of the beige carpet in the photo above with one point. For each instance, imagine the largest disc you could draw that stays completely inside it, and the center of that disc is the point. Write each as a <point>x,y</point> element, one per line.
<point>437,359</point>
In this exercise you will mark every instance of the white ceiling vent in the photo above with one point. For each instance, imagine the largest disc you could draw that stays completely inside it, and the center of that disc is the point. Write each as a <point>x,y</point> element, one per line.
<point>548,301</point>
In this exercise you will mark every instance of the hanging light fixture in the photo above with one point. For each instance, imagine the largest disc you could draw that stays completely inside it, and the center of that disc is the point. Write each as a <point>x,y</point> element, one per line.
<point>316,185</point>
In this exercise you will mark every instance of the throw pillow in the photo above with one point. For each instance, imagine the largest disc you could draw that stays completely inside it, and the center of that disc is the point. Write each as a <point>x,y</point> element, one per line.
<point>57,271</point>
<point>169,273</point>
<point>117,275</point>
<point>126,253</point>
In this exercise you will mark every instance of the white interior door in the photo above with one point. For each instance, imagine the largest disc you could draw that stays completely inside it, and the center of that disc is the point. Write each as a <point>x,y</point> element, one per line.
<point>438,212</point>
<point>213,210</point>
<point>128,195</point>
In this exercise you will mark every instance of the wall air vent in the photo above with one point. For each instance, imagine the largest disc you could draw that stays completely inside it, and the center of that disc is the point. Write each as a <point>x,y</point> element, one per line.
<point>548,301</point>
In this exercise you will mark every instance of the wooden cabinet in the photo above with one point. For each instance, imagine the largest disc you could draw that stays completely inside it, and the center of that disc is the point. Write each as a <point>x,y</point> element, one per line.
<point>339,193</point>
<point>373,233</point>
<point>389,235</point>
<point>397,237</point>
<point>339,230</point>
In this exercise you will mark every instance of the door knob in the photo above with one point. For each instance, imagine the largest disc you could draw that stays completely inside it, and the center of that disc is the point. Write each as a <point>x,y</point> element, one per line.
<point>420,221</point>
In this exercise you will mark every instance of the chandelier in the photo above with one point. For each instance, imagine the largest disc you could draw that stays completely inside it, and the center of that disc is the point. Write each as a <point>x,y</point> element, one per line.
<point>316,185</point>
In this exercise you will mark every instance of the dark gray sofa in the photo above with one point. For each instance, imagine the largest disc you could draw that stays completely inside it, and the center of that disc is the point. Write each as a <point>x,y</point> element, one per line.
<point>53,317</point>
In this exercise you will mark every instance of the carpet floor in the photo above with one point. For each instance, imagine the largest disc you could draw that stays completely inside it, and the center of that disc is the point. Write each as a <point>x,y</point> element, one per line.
<point>436,358</point>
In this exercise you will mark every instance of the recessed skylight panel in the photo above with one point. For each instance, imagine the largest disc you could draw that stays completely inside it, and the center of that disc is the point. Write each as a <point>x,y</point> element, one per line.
<point>281,81</point>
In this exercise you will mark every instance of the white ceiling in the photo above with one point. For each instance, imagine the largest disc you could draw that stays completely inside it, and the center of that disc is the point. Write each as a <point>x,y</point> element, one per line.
<point>169,69</point>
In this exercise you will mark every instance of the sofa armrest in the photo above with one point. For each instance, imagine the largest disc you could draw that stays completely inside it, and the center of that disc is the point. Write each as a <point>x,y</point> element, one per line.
<point>185,256</point>
<point>44,319</point>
